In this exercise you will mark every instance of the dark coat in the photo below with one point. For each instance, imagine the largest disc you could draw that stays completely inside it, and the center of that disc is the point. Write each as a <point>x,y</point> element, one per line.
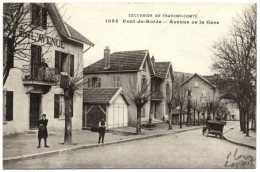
<point>43,132</point>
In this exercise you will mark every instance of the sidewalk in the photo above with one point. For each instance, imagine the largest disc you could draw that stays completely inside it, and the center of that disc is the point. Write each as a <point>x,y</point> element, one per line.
<point>234,135</point>
<point>25,145</point>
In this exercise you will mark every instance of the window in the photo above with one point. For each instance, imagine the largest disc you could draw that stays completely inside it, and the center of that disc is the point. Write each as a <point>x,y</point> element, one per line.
<point>89,83</point>
<point>64,63</point>
<point>7,55</point>
<point>39,16</point>
<point>154,86</point>
<point>203,93</point>
<point>143,111</point>
<point>144,66</point>
<point>168,89</point>
<point>9,105</point>
<point>117,82</point>
<point>59,108</point>
<point>144,83</point>
<point>196,85</point>
<point>94,82</point>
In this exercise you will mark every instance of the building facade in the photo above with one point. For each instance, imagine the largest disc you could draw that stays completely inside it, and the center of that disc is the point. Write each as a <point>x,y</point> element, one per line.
<point>131,70</point>
<point>32,87</point>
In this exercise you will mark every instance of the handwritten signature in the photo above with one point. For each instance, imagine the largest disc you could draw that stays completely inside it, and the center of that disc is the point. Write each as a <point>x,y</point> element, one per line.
<point>236,160</point>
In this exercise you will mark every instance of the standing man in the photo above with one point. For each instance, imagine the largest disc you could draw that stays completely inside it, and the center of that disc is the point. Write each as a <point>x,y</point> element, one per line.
<point>43,132</point>
<point>102,130</point>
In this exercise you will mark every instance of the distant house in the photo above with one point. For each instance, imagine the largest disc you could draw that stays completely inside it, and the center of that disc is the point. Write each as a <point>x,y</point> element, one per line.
<point>162,85</point>
<point>203,92</point>
<point>130,70</point>
<point>107,103</point>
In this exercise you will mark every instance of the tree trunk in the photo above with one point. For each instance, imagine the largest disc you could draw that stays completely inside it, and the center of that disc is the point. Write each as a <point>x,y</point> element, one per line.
<point>194,117</point>
<point>247,121</point>
<point>188,114</point>
<point>198,117</point>
<point>170,122</point>
<point>139,123</point>
<point>181,116</point>
<point>213,115</point>
<point>244,123</point>
<point>68,121</point>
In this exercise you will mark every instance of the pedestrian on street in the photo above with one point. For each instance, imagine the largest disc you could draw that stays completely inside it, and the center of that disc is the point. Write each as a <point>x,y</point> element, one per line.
<point>102,130</point>
<point>43,132</point>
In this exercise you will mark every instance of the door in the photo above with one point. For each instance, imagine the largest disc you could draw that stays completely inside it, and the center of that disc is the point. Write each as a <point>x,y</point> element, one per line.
<point>34,110</point>
<point>155,104</point>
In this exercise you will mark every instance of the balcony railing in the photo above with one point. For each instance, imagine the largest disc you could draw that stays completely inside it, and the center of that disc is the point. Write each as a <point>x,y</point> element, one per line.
<point>40,73</point>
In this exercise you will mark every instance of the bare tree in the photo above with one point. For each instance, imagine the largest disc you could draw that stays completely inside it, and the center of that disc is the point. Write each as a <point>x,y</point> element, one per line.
<point>235,60</point>
<point>73,88</point>
<point>139,96</point>
<point>185,96</point>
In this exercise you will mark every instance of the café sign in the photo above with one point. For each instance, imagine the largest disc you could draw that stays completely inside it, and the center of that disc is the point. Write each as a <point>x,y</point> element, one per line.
<point>38,37</point>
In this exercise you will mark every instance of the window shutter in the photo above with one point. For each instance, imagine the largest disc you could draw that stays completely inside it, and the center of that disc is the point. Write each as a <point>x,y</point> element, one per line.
<point>89,82</point>
<point>9,105</point>
<point>10,56</point>
<point>56,106</point>
<point>44,18</point>
<point>72,65</point>
<point>58,61</point>
<point>34,14</point>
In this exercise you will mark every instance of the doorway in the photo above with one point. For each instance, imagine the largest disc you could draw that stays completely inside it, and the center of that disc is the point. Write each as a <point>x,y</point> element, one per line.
<point>35,100</point>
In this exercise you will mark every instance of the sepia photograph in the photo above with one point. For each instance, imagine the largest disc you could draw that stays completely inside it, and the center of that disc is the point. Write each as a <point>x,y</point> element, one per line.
<point>129,85</point>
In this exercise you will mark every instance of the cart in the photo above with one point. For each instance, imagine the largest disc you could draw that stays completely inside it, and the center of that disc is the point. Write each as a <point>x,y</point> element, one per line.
<point>214,127</point>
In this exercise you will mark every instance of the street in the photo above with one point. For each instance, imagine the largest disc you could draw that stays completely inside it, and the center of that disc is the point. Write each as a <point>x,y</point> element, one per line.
<point>182,150</point>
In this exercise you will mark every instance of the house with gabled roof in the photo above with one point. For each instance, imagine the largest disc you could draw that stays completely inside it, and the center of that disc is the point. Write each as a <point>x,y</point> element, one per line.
<point>127,69</point>
<point>203,92</point>
<point>162,89</point>
<point>35,90</point>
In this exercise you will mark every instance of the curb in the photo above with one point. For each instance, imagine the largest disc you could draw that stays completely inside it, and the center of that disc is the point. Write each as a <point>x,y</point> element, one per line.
<point>238,143</point>
<point>62,151</point>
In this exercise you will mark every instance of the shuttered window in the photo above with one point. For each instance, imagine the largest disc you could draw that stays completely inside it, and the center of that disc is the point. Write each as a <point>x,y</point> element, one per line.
<point>8,55</point>
<point>64,63</point>
<point>44,18</point>
<point>9,105</point>
<point>144,83</point>
<point>89,83</point>
<point>98,82</point>
<point>39,16</point>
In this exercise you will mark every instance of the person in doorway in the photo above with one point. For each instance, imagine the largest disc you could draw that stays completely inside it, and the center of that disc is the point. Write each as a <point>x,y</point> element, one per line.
<point>102,130</point>
<point>43,63</point>
<point>43,132</point>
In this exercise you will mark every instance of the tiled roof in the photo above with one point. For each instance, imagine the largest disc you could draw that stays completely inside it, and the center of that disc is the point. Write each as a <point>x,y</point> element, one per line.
<point>119,62</point>
<point>76,35</point>
<point>199,77</point>
<point>99,95</point>
<point>161,68</point>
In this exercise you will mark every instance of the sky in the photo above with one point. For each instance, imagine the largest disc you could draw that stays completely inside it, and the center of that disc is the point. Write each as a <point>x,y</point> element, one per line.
<point>187,46</point>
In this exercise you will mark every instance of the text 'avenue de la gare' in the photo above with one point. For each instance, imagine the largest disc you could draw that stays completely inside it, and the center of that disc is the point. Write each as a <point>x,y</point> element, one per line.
<point>126,21</point>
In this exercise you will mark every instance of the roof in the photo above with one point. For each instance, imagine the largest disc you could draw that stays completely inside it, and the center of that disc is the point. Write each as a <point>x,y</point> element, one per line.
<point>124,61</point>
<point>180,77</point>
<point>76,35</point>
<point>205,80</point>
<point>101,95</point>
<point>63,28</point>
<point>161,68</point>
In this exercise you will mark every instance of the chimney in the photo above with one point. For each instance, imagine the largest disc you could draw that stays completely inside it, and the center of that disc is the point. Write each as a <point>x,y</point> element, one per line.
<point>107,57</point>
<point>153,60</point>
